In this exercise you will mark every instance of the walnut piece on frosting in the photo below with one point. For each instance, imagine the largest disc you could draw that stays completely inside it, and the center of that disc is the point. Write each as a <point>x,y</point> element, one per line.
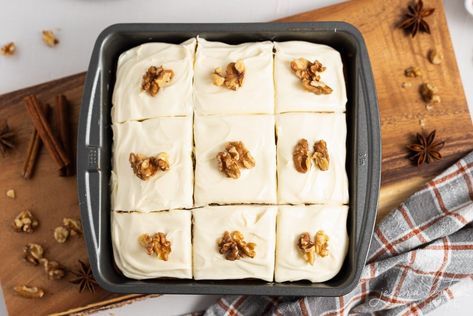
<point>156,244</point>
<point>145,167</point>
<point>156,78</point>
<point>320,155</point>
<point>311,248</point>
<point>232,78</point>
<point>309,74</point>
<point>233,246</point>
<point>235,157</point>
<point>300,156</point>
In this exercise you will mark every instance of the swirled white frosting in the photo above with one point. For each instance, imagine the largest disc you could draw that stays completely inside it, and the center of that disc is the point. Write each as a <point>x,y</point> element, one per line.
<point>130,102</point>
<point>256,95</point>
<point>255,185</point>
<point>132,259</point>
<point>169,189</point>
<point>291,95</point>
<point>315,186</point>
<point>257,223</point>
<point>294,220</point>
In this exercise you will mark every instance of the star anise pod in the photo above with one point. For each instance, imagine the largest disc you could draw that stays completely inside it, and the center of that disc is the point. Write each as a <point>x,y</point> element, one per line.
<point>426,149</point>
<point>6,138</point>
<point>413,20</point>
<point>84,277</point>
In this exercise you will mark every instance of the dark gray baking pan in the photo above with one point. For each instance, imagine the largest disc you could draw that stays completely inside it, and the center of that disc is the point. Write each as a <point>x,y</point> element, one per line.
<point>95,142</point>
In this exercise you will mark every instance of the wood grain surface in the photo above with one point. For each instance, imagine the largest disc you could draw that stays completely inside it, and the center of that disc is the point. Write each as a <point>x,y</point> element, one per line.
<point>51,197</point>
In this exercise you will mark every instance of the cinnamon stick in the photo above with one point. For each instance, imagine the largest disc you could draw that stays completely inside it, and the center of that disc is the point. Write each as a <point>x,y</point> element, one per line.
<point>63,130</point>
<point>51,143</point>
<point>33,149</point>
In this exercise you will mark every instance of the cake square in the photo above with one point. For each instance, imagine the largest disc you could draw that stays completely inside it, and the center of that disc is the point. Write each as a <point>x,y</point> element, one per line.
<point>257,225</point>
<point>131,256</point>
<point>131,102</point>
<point>314,186</point>
<point>169,189</point>
<point>292,221</point>
<point>255,96</point>
<point>291,96</point>
<point>255,185</point>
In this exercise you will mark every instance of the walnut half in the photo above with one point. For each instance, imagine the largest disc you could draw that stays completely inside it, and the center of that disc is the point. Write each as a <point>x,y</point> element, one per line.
<point>321,156</point>
<point>25,222</point>
<point>235,157</point>
<point>309,74</point>
<point>300,156</point>
<point>33,253</point>
<point>232,78</point>
<point>29,291</point>
<point>156,244</point>
<point>145,167</point>
<point>233,246</point>
<point>156,78</point>
<point>311,248</point>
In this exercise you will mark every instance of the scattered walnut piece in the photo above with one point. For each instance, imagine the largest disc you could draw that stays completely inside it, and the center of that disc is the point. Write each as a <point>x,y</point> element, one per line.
<point>300,156</point>
<point>422,123</point>
<point>53,269</point>
<point>232,78</point>
<point>73,225</point>
<point>156,244</point>
<point>435,57</point>
<point>235,157</point>
<point>49,38</point>
<point>310,248</point>
<point>321,243</point>
<point>309,74</point>
<point>8,49</point>
<point>25,222</point>
<point>11,194</point>
<point>320,155</point>
<point>233,246</point>
<point>33,253</point>
<point>145,167</point>
<point>429,93</point>
<point>412,72</point>
<point>156,78</point>
<point>307,247</point>
<point>61,234</point>
<point>29,291</point>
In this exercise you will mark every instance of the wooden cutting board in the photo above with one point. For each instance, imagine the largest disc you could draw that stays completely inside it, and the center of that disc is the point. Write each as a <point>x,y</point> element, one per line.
<point>51,198</point>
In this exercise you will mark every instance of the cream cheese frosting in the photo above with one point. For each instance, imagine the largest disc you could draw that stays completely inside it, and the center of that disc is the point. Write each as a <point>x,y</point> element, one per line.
<point>255,185</point>
<point>130,102</point>
<point>315,186</point>
<point>132,259</point>
<point>295,220</point>
<point>169,189</point>
<point>256,95</point>
<point>257,223</point>
<point>291,96</point>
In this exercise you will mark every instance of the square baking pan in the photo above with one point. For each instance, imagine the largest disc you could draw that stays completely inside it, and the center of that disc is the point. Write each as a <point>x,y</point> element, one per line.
<point>94,145</point>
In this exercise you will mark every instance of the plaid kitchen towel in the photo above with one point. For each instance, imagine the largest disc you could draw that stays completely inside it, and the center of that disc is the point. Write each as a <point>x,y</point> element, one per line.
<point>418,252</point>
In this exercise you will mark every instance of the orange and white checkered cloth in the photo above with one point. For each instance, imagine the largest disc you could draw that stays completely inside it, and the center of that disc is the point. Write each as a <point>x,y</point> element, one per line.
<point>417,253</point>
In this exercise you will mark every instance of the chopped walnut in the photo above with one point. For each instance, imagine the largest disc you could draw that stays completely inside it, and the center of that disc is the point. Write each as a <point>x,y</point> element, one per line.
<point>11,194</point>
<point>406,84</point>
<point>29,291</point>
<point>235,157</point>
<point>73,225</point>
<point>307,247</point>
<point>309,74</point>
<point>320,155</point>
<point>61,234</point>
<point>8,49</point>
<point>156,244</point>
<point>50,39</point>
<point>429,93</point>
<point>232,78</point>
<point>53,269</point>
<point>412,72</point>
<point>300,156</point>
<point>25,222</point>
<point>156,78</point>
<point>33,253</point>
<point>321,243</point>
<point>435,57</point>
<point>145,167</point>
<point>233,246</point>
<point>310,248</point>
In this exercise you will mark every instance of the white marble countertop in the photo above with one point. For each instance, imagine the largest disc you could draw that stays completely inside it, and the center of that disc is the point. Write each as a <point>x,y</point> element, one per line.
<point>77,24</point>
